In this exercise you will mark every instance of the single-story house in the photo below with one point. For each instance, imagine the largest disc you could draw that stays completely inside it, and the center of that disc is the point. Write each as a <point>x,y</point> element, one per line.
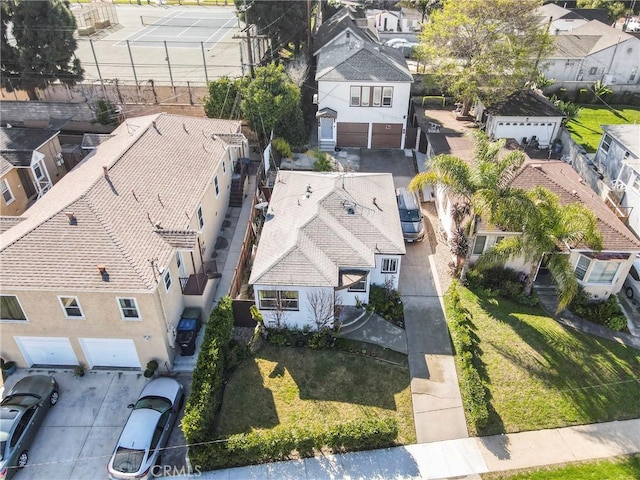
<point>618,157</point>
<point>326,236</point>
<point>30,164</point>
<point>563,20</point>
<point>522,116</point>
<point>101,271</point>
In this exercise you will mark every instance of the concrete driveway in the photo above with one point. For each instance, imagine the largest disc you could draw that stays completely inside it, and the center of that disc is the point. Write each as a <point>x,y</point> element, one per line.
<point>78,435</point>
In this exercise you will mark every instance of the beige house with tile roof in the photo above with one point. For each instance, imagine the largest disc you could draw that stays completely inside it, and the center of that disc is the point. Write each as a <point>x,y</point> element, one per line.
<point>600,273</point>
<point>326,234</point>
<point>100,272</point>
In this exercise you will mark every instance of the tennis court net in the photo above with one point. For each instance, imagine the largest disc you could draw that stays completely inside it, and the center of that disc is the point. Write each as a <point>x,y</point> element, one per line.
<point>183,22</point>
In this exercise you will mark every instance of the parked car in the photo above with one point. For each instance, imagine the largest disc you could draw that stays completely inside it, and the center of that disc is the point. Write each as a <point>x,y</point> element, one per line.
<point>402,44</point>
<point>21,413</point>
<point>410,215</point>
<point>147,430</point>
<point>631,284</point>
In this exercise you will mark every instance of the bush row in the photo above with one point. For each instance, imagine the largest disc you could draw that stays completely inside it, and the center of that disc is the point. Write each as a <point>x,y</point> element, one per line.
<point>465,343</point>
<point>607,313</point>
<point>502,281</point>
<point>280,443</point>
<point>206,392</point>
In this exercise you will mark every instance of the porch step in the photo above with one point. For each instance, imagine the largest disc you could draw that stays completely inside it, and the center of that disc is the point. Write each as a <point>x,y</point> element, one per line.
<point>355,322</point>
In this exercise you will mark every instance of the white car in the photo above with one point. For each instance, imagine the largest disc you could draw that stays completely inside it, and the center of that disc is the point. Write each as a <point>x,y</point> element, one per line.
<point>633,26</point>
<point>631,285</point>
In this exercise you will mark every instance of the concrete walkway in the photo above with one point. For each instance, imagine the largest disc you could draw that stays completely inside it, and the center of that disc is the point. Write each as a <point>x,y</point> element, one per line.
<point>379,331</point>
<point>467,457</point>
<point>437,404</point>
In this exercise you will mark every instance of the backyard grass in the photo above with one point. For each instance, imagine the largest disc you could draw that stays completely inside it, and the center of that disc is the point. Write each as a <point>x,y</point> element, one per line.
<point>541,375</point>
<point>622,468</point>
<point>586,130</point>
<point>300,386</point>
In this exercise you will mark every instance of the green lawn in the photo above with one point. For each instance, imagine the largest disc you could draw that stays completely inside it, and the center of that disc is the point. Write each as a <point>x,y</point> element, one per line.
<point>624,468</point>
<point>289,386</point>
<point>586,131</point>
<point>541,375</point>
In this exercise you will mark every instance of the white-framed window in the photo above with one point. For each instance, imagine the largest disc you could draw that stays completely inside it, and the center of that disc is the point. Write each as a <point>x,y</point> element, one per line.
<point>371,96</point>
<point>200,218</point>
<point>359,286</point>
<point>129,308</point>
<point>387,96</point>
<point>355,96</point>
<point>606,143</point>
<point>7,194</point>
<point>478,246</point>
<point>593,70</point>
<point>167,280</point>
<point>377,96</point>
<point>278,299</point>
<point>601,272</point>
<point>224,166</point>
<point>389,265</point>
<point>71,307</point>
<point>366,95</point>
<point>11,310</point>
<point>216,185</point>
<point>581,267</point>
<point>636,182</point>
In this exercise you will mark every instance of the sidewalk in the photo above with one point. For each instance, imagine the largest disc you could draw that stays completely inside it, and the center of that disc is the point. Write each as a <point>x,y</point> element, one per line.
<point>454,458</point>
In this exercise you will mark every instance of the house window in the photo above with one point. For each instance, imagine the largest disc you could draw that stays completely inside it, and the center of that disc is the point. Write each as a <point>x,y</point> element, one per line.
<point>6,192</point>
<point>389,265</point>
<point>581,267</point>
<point>200,218</point>
<point>366,94</point>
<point>359,286</point>
<point>128,308</point>
<point>593,70</point>
<point>603,272</point>
<point>355,96</point>
<point>11,310</point>
<point>224,166</point>
<point>71,307</point>
<point>37,169</point>
<point>216,185</point>
<point>167,280</point>
<point>377,96</point>
<point>636,182</point>
<point>278,299</point>
<point>478,247</point>
<point>387,96</point>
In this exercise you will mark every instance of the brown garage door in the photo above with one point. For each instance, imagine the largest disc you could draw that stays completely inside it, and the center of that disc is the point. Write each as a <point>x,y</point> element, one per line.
<point>353,134</point>
<point>386,135</point>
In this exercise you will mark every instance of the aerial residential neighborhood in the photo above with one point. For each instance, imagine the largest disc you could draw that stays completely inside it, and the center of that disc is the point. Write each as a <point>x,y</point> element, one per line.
<point>320,239</point>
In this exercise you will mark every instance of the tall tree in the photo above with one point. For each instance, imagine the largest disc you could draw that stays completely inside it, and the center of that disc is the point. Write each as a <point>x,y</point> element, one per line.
<point>483,184</point>
<point>614,9</point>
<point>44,49</point>
<point>544,227</point>
<point>484,48</point>
<point>425,7</point>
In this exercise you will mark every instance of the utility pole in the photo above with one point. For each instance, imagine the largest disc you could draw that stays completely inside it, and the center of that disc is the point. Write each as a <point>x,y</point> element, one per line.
<point>309,30</point>
<point>247,28</point>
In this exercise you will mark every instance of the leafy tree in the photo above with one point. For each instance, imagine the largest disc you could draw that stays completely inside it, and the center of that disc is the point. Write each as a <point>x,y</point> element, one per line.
<point>614,9</point>
<point>600,89</point>
<point>484,48</point>
<point>546,225</point>
<point>483,184</point>
<point>223,100</point>
<point>425,7</point>
<point>44,49</point>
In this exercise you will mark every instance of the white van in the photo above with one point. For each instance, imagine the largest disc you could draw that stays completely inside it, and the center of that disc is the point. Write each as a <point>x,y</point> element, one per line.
<point>410,215</point>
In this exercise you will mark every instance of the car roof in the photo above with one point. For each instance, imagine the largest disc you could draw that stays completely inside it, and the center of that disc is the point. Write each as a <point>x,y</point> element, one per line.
<point>32,384</point>
<point>138,430</point>
<point>9,415</point>
<point>165,387</point>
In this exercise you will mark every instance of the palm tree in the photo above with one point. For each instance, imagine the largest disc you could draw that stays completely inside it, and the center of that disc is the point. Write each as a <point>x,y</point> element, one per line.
<point>546,225</point>
<point>483,183</point>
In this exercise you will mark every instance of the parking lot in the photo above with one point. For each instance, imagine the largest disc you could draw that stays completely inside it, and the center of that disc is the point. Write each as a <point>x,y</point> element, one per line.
<point>78,435</point>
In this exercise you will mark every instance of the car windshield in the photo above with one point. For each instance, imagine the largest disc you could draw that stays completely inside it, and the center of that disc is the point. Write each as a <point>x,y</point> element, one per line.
<point>409,215</point>
<point>127,460</point>
<point>2,447</point>
<point>158,404</point>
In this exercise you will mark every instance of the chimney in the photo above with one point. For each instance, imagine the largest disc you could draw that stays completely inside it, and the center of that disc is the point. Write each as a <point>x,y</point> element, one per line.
<point>105,169</point>
<point>72,218</point>
<point>103,272</point>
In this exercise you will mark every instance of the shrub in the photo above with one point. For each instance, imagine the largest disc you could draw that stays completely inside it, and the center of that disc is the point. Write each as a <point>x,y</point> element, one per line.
<point>106,113</point>
<point>618,323</point>
<point>386,302</point>
<point>206,388</point>
<point>529,300</point>
<point>282,147</point>
<point>279,337</point>
<point>320,340</point>
<point>607,313</point>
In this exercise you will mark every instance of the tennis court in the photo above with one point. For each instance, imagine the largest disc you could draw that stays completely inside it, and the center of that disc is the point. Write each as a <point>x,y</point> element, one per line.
<point>182,29</point>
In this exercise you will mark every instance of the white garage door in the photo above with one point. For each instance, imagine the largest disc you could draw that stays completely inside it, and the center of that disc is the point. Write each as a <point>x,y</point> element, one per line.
<point>520,130</point>
<point>110,352</point>
<point>47,351</point>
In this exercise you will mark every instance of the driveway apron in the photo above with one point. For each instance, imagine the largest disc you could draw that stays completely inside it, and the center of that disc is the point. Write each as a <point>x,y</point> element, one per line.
<point>437,404</point>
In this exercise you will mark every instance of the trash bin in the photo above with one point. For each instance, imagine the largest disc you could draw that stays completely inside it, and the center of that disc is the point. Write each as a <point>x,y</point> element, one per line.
<point>557,148</point>
<point>186,336</point>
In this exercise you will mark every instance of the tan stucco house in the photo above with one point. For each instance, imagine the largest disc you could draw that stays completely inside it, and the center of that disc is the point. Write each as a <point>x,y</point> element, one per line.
<point>99,272</point>
<point>30,164</point>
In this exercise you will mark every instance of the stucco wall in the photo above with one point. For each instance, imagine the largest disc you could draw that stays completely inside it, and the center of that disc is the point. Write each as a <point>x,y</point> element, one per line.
<point>602,291</point>
<point>376,276</point>
<point>19,203</point>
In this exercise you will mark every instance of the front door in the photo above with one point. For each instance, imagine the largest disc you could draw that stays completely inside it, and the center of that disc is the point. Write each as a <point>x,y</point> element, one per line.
<point>326,129</point>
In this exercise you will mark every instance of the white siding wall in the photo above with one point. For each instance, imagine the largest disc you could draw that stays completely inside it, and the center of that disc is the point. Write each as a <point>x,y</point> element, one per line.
<point>380,278</point>
<point>602,291</point>
<point>632,199</point>
<point>544,132</point>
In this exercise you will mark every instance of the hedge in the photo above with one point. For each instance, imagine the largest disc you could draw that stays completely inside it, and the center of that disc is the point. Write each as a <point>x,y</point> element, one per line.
<point>465,342</point>
<point>260,446</point>
<point>206,392</point>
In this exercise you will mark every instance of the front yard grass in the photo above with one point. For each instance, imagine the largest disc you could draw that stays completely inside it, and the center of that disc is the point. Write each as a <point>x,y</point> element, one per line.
<point>542,375</point>
<point>621,468</point>
<point>586,128</point>
<point>300,386</point>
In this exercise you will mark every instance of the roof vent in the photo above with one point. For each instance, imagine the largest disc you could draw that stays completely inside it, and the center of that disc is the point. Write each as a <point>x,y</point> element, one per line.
<point>349,207</point>
<point>575,193</point>
<point>103,272</point>
<point>72,218</point>
<point>537,166</point>
<point>105,170</point>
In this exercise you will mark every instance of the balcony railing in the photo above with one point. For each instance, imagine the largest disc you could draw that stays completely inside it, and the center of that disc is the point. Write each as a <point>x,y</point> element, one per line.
<point>195,283</point>
<point>621,212</point>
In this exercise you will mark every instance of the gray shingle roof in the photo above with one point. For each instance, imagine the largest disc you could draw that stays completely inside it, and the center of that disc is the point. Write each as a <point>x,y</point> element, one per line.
<point>525,103</point>
<point>347,18</point>
<point>24,138</point>
<point>627,134</point>
<point>113,214</point>
<point>305,240</point>
<point>362,61</point>
<point>588,39</point>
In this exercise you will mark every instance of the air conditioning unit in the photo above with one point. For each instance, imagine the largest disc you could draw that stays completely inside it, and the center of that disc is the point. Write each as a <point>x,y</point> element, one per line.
<point>315,98</point>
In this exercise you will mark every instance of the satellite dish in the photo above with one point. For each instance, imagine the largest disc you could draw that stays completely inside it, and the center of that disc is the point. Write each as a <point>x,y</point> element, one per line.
<point>261,205</point>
